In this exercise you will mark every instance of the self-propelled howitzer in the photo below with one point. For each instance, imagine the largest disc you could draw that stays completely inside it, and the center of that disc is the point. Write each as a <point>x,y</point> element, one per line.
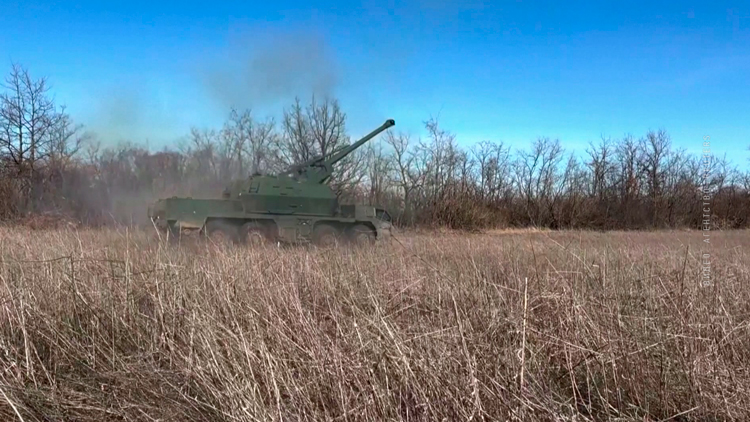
<point>296,205</point>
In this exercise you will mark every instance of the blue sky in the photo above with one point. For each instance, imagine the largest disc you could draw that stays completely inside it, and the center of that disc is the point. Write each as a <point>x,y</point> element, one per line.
<point>504,70</point>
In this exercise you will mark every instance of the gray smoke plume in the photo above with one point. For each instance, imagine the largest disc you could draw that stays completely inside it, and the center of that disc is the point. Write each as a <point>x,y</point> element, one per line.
<point>269,68</point>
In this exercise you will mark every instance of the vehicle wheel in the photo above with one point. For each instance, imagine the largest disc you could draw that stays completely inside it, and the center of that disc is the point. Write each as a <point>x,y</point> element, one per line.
<point>325,235</point>
<point>221,233</point>
<point>172,232</point>
<point>254,234</point>
<point>362,235</point>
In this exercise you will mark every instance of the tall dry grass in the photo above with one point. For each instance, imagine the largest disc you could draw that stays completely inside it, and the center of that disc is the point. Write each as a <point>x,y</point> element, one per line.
<point>113,325</point>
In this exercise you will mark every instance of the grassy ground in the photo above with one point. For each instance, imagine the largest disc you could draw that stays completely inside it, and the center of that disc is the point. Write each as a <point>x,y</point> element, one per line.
<point>113,325</point>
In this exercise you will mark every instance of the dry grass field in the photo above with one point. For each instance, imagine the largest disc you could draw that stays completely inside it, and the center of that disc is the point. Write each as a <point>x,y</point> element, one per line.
<point>534,326</point>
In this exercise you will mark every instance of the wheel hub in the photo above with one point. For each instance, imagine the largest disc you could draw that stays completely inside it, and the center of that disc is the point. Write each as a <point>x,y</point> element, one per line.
<point>328,240</point>
<point>255,238</point>
<point>219,237</point>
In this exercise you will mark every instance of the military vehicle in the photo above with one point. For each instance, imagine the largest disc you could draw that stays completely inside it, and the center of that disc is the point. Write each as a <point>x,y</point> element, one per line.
<point>294,206</point>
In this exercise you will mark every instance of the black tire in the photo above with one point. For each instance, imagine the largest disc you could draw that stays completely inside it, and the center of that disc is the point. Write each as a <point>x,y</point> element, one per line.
<point>254,234</point>
<point>221,232</point>
<point>172,232</point>
<point>326,236</point>
<point>362,235</point>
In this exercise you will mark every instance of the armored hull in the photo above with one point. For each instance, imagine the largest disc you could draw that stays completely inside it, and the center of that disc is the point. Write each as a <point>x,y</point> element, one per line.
<point>230,218</point>
<point>295,206</point>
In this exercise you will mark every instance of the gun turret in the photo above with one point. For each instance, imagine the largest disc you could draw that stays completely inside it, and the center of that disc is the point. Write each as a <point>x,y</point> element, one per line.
<point>320,169</point>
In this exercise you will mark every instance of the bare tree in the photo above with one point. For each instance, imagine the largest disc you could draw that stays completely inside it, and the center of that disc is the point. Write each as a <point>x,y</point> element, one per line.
<point>602,166</point>
<point>482,153</point>
<point>493,161</point>
<point>536,176</point>
<point>47,162</point>
<point>440,154</point>
<point>251,140</point>
<point>630,154</point>
<point>66,139</point>
<point>317,131</point>
<point>404,176</point>
<point>27,115</point>
<point>658,149</point>
<point>296,144</point>
<point>33,131</point>
<point>379,169</point>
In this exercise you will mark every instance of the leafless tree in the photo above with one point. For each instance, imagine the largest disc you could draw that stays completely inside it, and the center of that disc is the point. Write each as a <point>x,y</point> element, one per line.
<point>405,176</point>
<point>47,162</point>
<point>379,173</point>
<point>27,115</point>
<point>252,140</point>
<point>316,131</point>
<point>536,176</point>
<point>33,132</point>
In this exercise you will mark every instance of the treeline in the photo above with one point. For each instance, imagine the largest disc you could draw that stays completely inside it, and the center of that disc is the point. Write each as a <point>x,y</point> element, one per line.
<point>49,164</point>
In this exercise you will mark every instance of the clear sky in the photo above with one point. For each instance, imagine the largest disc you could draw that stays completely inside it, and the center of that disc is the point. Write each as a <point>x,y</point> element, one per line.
<point>503,70</point>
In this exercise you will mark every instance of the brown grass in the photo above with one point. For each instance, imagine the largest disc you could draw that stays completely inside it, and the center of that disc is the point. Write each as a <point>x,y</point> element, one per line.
<point>114,325</point>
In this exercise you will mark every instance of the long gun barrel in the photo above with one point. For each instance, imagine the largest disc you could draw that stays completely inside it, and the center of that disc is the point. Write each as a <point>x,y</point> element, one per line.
<point>319,169</point>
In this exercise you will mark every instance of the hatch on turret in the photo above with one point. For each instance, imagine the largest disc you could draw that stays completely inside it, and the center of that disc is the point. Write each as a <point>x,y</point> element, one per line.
<point>254,186</point>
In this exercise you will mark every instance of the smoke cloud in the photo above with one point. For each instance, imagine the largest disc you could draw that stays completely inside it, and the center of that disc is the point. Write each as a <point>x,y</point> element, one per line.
<point>269,68</point>
<point>261,70</point>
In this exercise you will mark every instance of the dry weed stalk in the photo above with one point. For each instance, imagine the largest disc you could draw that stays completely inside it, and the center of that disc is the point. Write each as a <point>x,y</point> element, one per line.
<point>108,325</point>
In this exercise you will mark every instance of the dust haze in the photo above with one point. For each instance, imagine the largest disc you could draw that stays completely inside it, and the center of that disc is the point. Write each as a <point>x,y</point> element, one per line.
<point>133,118</point>
<point>263,70</point>
<point>133,111</point>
